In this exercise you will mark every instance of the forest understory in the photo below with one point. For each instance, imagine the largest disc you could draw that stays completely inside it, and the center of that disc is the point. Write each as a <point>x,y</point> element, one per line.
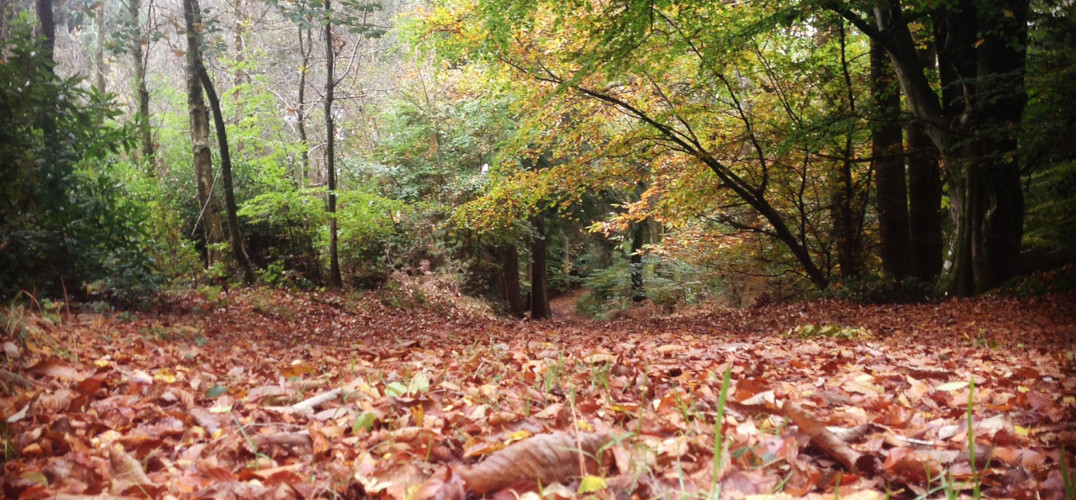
<point>256,393</point>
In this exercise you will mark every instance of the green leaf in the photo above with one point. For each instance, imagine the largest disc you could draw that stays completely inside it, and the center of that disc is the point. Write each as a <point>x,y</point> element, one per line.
<point>364,421</point>
<point>395,390</point>
<point>215,391</point>
<point>952,386</point>
<point>419,383</point>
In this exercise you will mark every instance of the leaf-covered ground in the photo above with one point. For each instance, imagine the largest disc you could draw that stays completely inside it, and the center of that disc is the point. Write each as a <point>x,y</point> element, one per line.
<point>260,394</point>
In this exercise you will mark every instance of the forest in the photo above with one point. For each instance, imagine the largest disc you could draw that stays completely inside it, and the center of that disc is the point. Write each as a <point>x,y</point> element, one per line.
<point>419,249</point>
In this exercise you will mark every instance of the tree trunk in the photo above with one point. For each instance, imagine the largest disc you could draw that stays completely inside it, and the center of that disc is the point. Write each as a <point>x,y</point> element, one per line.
<point>888,163</point>
<point>638,238</point>
<point>240,253</point>
<point>847,219</point>
<point>240,59</point>
<point>300,116</point>
<point>145,132</point>
<point>982,47</point>
<point>99,49</point>
<point>510,289</point>
<point>209,211</point>
<point>539,281</point>
<point>985,195</point>
<point>330,142</point>
<point>46,28</point>
<point>924,192</point>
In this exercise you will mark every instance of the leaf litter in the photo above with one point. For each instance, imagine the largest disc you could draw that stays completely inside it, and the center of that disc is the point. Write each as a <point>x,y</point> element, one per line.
<point>270,394</point>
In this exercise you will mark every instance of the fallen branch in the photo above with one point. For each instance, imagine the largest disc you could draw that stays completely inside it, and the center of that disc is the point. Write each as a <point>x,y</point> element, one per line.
<point>313,402</point>
<point>12,378</point>
<point>826,440</point>
<point>307,405</point>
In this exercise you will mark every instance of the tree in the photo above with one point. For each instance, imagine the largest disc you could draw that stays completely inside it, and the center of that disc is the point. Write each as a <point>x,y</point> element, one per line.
<point>673,84</point>
<point>137,43</point>
<point>330,146</point>
<point>64,221</point>
<point>192,15</point>
<point>360,25</point>
<point>887,154</point>
<point>539,270</point>
<point>209,211</point>
<point>509,280</point>
<point>973,120</point>
<point>46,28</point>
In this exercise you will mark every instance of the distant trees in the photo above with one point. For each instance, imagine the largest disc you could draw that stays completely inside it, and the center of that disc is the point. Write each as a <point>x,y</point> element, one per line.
<point>646,150</point>
<point>777,118</point>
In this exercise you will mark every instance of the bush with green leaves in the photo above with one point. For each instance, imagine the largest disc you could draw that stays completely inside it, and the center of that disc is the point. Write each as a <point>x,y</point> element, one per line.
<point>380,235</point>
<point>284,233</point>
<point>64,222</point>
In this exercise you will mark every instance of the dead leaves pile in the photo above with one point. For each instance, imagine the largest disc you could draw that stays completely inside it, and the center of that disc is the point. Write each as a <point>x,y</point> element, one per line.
<point>261,394</point>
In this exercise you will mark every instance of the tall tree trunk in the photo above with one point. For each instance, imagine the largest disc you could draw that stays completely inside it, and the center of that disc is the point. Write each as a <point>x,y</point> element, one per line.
<point>209,210</point>
<point>888,164</point>
<point>980,156</point>
<point>300,107</point>
<point>240,77</point>
<point>145,132</point>
<point>510,289</point>
<point>231,210</point>
<point>46,28</point>
<point>539,281</point>
<point>99,49</point>
<point>924,192</point>
<point>638,239</point>
<point>847,219</point>
<point>330,147</point>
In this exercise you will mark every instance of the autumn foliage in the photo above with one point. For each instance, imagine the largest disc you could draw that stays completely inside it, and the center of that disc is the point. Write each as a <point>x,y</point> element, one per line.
<point>260,394</point>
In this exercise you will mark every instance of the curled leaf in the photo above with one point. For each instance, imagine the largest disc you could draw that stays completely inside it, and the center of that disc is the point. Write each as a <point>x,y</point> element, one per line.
<point>546,458</point>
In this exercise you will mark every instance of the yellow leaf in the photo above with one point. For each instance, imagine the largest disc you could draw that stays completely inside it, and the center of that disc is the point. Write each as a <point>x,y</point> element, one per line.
<point>1023,431</point>
<point>1023,389</point>
<point>418,413</point>
<point>590,484</point>
<point>517,436</point>
<point>164,375</point>
<point>101,363</point>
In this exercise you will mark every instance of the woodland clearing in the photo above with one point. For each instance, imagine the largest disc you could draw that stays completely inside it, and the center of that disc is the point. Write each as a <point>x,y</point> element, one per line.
<point>256,393</point>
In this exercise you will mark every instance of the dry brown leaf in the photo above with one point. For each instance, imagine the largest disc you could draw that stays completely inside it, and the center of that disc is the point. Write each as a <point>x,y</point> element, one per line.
<point>126,471</point>
<point>48,404</point>
<point>546,458</point>
<point>445,484</point>
<point>58,369</point>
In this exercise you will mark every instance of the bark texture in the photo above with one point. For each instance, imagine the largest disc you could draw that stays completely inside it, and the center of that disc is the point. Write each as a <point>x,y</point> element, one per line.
<point>509,278</point>
<point>974,122</point>
<point>330,148</point>
<point>887,152</point>
<point>539,281</point>
<point>209,211</point>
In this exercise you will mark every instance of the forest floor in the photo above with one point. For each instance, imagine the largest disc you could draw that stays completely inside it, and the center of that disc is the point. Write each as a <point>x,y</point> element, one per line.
<point>270,394</point>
